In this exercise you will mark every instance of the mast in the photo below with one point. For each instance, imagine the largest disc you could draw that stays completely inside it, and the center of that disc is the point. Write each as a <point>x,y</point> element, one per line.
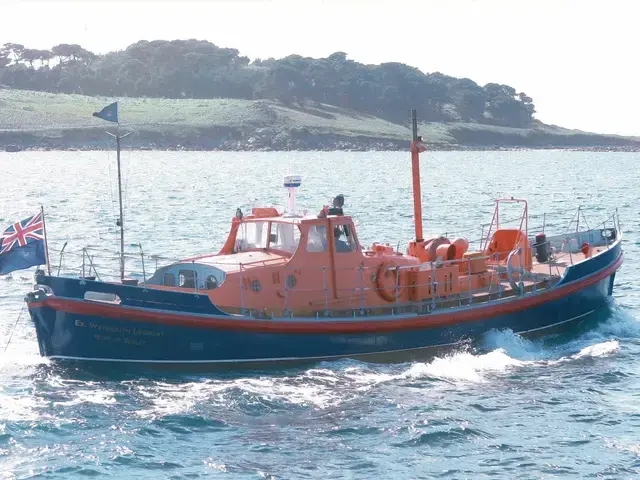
<point>121,219</point>
<point>110,113</point>
<point>415,168</point>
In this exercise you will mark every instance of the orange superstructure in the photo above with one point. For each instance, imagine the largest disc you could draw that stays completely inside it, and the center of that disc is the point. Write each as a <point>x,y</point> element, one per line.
<point>313,265</point>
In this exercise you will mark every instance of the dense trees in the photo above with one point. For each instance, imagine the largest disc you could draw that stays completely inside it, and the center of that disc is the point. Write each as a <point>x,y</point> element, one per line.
<point>200,69</point>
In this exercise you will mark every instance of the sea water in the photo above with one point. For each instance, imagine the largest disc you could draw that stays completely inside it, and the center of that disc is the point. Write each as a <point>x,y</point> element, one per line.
<point>508,407</point>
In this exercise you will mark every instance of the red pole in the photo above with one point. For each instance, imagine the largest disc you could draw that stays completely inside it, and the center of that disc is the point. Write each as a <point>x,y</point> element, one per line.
<point>415,168</point>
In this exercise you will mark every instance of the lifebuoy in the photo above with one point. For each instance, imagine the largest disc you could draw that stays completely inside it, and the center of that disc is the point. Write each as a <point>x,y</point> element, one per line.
<point>384,270</point>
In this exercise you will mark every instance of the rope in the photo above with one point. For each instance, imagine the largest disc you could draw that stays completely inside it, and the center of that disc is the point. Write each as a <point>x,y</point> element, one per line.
<point>14,329</point>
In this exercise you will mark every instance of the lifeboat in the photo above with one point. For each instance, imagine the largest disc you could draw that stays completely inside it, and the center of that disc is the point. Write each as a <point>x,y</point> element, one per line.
<point>288,286</point>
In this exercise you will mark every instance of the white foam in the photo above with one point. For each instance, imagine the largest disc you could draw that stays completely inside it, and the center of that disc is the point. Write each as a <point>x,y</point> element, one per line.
<point>619,325</point>
<point>514,345</point>
<point>9,360</point>
<point>98,397</point>
<point>22,407</point>
<point>598,350</point>
<point>325,387</point>
<point>508,351</point>
<point>618,445</point>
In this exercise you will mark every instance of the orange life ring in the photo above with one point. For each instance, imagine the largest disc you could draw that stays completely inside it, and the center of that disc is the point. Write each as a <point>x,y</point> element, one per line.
<point>383,272</point>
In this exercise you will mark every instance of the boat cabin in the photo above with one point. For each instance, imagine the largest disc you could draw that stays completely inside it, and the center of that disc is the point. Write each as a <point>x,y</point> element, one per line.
<point>273,262</point>
<point>264,250</point>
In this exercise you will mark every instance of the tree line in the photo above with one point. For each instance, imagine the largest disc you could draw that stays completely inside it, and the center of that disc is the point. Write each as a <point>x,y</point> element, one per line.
<point>200,69</point>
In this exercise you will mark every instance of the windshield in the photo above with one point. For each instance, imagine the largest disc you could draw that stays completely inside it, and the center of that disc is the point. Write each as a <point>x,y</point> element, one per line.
<point>317,239</point>
<point>344,239</point>
<point>284,236</point>
<point>274,235</point>
<point>252,235</point>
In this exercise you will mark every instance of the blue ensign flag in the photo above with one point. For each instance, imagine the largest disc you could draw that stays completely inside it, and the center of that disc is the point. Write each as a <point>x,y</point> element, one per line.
<point>22,245</point>
<point>110,113</point>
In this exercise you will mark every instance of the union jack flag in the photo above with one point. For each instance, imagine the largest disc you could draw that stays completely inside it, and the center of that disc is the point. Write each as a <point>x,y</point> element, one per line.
<point>21,233</point>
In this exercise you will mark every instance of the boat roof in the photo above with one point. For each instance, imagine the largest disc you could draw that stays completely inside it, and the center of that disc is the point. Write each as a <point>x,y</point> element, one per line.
<point>250,259</point>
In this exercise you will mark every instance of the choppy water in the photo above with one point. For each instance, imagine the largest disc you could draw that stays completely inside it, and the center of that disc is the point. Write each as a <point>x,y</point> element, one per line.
<point>556,407</point>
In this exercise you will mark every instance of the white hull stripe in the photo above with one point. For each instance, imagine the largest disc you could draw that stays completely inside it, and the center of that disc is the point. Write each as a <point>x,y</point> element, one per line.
<point>556,324</point>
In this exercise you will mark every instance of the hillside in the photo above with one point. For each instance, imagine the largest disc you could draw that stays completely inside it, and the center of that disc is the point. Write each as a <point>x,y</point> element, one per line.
<point>184,69</point>
<point>60,121</point>
<point>192,94</point>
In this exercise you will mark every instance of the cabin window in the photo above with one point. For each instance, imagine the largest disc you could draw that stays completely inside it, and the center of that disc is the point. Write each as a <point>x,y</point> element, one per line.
<point>317,239</point>
<point>187,278</point>
<point>284,236</point>
<point>252,235</point>
<point>344,239</point>
<point>169,280</point>
<point>211,282</point>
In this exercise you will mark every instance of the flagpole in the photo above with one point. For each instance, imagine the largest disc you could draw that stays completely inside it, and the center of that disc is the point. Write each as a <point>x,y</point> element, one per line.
<point>121,221</point>
<point>46,245</point>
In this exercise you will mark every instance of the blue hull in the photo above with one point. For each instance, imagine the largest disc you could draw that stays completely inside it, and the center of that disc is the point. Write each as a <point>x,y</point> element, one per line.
<point>149,330</point>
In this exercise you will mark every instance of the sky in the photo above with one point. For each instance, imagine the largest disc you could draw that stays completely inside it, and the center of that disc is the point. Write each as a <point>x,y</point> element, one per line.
<point>576,59</point>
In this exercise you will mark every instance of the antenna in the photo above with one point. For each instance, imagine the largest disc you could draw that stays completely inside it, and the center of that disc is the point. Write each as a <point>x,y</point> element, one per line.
<point>291,182</point>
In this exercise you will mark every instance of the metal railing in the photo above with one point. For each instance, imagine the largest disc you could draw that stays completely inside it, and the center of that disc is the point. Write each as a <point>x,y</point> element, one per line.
<point>350,297</point>
<point>505,280</point>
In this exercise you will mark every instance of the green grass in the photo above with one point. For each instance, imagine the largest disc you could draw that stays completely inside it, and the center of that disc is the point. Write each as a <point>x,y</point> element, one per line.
<point>28,110</point>
<point>47,114</point>
<point>40,111</point>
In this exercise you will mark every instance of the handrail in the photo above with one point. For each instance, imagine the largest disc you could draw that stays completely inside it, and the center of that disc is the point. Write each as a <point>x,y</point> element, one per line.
<point>101,261</point>
<point>361,288</point>
<point>519,287</point>
<point>431,265</point>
